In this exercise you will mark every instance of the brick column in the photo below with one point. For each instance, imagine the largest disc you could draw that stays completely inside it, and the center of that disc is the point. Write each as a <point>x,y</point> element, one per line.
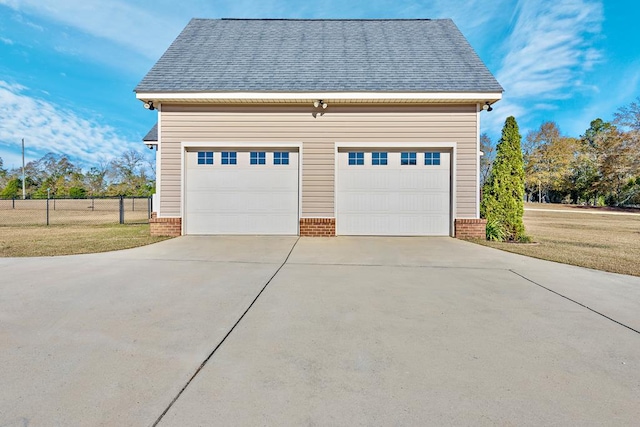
<point>171,227</point>
<point>318,227</point>
<point>471,228</point>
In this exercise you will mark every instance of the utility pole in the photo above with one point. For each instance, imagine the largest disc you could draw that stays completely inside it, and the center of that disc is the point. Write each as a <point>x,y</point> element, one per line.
<point>24,192</point>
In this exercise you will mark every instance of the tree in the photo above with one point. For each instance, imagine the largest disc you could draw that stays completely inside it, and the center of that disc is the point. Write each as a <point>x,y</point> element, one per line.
<point>629,116</point>
<point>129,177</point>
<point>503,193</point>
<point>3,174</point>
<point>12,190</point>
<point>628,119</point>
<point>77,193</point>
<point>96,179</point>
<point>548,158</point>
<point>610,163</point>
<point>488,156</point>
<point>53,174</point>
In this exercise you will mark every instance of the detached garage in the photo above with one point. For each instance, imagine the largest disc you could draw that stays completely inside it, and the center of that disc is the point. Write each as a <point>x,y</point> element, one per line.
<point>318,127</point>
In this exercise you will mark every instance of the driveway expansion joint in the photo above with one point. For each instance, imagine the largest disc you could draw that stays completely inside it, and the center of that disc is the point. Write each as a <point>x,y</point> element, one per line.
<point>203,364</point>
<point>575,302</point>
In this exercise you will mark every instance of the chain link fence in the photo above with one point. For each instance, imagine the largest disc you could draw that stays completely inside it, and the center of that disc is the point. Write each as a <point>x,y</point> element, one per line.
<point>91,211</point>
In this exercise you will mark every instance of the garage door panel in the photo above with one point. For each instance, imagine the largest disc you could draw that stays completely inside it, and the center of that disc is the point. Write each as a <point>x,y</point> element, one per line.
<point>241,198</point>
<point>393,199</point>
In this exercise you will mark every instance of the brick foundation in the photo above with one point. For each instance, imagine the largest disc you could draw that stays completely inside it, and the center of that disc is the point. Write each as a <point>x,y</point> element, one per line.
<point>471,228</point>
<point>318,227</point>
<point>171,227</point>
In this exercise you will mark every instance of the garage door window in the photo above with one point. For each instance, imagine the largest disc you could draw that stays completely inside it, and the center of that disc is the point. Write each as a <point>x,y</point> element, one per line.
<point>258,157</point>
<point>280,158</point>
<point>356,158</point>
<point>229,158</point>
<point>408,158</point>
<point>378,158</point>
<point>205,157</point>
<point>432,159</point>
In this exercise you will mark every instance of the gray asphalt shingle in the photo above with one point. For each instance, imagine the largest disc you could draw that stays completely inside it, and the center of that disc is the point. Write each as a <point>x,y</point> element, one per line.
<point>263,55</point>
<point>152,135</point>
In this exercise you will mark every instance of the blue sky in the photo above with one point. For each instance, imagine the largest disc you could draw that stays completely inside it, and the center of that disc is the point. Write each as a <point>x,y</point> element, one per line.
<point>68,67</point>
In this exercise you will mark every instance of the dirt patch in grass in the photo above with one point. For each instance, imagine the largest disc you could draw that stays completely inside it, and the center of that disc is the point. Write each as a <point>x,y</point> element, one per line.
<point>72,239</point>
<point>599,241</point>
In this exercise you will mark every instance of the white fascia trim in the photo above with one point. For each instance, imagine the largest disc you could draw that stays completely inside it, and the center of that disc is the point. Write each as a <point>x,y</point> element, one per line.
<point>480,96</point>
<point>395,145</point>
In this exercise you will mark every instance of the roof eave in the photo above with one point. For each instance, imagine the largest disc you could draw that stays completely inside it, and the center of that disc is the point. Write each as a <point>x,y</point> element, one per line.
<point>307,97</point>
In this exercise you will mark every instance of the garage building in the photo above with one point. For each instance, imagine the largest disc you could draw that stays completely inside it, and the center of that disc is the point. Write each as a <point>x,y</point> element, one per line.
<point>318,127</point>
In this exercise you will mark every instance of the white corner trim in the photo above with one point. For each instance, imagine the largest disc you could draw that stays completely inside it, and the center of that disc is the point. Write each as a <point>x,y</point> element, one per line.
<point>480,153</point>
<point>159,165</point>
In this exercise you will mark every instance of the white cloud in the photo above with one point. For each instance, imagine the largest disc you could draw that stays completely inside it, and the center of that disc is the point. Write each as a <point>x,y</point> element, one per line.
<point>546,55</point>
<point>550,47</point>
<point>6,41</point>
<point>47,127</point>
<point>141,29</point>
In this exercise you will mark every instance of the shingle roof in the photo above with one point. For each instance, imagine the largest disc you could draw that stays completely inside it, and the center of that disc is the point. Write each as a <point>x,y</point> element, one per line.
<point>152,135</point>
<point>247,55</point>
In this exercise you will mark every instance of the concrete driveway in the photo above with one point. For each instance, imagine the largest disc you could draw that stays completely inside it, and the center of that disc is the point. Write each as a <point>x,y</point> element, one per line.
<point>347,331</point>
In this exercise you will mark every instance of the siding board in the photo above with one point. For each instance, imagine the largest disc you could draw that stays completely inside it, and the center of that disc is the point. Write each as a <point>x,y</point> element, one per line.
<point>237,124</point>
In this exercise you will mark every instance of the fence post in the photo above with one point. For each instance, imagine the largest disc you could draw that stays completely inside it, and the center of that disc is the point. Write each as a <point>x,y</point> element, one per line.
<point>149,207</point>
<point>13,202</point>
<point>47,211</point>
<point>121,209</point>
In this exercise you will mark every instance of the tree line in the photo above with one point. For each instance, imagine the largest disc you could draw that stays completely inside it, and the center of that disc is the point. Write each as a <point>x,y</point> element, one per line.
<point>54,175</point>
<point>600,167</point>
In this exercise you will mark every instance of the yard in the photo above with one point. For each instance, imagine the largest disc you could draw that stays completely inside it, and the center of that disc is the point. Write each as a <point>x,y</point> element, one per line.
<point>601,239</point>
<point>598,238</point>
<point>29,241</point>
<point>73,226</point>
<point>73,211</point>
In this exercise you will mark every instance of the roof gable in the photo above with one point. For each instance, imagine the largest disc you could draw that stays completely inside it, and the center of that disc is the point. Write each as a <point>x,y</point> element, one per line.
<point>238,55</point>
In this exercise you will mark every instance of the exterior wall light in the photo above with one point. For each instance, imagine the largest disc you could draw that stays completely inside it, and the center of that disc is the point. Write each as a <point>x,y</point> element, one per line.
<point>320,103</point>
<point>149,105</point>
<point>487,106</point>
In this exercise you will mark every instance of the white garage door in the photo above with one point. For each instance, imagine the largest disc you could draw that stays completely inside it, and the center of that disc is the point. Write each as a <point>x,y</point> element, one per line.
<point>233,191</point>
<point>394,193</point>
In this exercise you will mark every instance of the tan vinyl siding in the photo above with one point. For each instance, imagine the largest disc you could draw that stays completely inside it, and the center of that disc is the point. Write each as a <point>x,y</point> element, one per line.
<point>393,124</point>
<point>318,164</point>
